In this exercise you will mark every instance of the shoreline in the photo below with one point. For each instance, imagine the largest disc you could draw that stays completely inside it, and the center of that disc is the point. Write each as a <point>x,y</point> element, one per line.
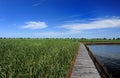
<point>101,43</point>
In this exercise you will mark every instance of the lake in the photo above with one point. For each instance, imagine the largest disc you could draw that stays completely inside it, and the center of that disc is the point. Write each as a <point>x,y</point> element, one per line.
<point>108,55</point>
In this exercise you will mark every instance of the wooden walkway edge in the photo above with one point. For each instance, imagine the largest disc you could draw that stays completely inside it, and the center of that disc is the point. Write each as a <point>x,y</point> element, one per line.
<point>84,66</point>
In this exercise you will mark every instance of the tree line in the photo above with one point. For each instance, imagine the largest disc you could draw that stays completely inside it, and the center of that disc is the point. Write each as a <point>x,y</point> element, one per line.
<point>68,38</point>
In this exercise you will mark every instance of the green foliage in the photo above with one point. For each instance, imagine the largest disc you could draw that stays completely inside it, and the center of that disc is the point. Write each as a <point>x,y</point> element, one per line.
<point>36,58</point>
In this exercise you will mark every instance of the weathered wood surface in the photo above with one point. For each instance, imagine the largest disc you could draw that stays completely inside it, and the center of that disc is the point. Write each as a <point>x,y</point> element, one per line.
<point>84,66</point>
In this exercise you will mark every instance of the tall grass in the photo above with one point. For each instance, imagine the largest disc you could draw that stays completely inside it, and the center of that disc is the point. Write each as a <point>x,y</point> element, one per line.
<point>36,58</point>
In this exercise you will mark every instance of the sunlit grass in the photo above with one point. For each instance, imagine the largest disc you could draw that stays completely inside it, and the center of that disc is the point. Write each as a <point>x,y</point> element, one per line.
<point>36,58</point>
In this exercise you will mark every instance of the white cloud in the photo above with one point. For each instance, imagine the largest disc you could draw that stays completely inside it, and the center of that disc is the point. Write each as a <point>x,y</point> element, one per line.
<point>96,24</point>
<point>48,34</point>
<point>35,25</point>
<point>74,29</point>
<point>56,34</point>
<point>38,3</point>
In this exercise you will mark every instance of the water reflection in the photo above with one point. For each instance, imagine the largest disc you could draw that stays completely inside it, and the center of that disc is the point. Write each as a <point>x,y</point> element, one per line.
<point>108,55</point>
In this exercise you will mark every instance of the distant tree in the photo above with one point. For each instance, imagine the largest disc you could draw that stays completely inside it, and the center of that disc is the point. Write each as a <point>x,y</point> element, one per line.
<point>113,39</point>
<point>104,38</point>
<point>83,39</point>
<point>117,38</point>
<point>4,38</point>
<point>28,38</point>
<point>20,38</point>
<point>97,38</point>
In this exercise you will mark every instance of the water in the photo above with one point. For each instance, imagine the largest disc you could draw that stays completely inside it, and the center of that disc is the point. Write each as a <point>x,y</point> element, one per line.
<point>108,55</point>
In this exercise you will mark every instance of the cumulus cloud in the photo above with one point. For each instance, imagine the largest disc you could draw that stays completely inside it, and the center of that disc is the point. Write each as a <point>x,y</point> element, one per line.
<point>73,28</point>
<point>34,25</point>
<point>96,24</point>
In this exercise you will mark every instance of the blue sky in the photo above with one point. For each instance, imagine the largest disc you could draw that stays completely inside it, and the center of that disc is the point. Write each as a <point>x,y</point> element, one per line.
<point>60,18</point>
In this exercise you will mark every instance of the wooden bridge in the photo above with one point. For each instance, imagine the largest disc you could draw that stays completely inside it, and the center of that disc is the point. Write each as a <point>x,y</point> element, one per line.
<point>84,66</point>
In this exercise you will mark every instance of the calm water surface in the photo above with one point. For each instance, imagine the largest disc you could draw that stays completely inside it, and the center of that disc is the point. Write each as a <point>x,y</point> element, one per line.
<point>108,55</point>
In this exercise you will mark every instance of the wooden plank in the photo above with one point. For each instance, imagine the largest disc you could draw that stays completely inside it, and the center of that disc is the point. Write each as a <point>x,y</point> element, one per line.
<point>84,66</point>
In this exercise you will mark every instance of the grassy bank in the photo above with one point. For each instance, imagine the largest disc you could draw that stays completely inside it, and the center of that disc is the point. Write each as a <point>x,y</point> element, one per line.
<point>100,41</point>
<point>36,58</point>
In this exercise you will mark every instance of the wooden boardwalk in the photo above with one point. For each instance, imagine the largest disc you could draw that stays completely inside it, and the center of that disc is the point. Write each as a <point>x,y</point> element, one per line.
<point>84,66</point>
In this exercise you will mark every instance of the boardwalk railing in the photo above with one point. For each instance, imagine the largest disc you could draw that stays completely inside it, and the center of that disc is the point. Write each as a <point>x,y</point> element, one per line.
<point>101,69</point>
